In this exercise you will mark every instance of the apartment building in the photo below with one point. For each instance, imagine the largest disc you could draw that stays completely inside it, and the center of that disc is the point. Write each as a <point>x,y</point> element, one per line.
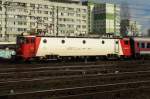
<point>104,18</point>
<point>53,17</point>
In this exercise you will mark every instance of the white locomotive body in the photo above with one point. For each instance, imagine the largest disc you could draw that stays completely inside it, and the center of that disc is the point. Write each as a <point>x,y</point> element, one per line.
<point>78,47</point>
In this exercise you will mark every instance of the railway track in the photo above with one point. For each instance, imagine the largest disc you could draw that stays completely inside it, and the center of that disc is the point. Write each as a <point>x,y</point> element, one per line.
<point>69,67</point>
<point>39,80</point>
<point>72,67</point>
<point>70,81</point>
<point>8,64</point>
<point>80,92</point>
<point>32,73</point>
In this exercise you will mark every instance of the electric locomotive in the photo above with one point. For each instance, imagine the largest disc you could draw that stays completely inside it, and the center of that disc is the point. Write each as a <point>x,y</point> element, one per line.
<point>46,47</point>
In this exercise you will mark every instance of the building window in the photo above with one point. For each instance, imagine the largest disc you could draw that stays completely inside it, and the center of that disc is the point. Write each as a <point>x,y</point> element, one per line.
<point>78,9</point>
<point>32,23</point>
<point>45,18</point>
<point>32,11</point>
<point>19,16</point>
<point>22,23</point>
<point>39,11</point>
<point>39,6</point>
<point>22,29</point>
<point>62,14</point>
<point>51,13</point>
<point>21,4</point>
<point>84,16</point>
<point>83,26</point>
<point>84,10</point>
<point>78,15</point>
<point>32,5</point>
<point>0,8</point>
<point>46,6</point>
<point>45,12</point>
<point>1,35</point>
<point>0,28</point>
<point>70,9</point>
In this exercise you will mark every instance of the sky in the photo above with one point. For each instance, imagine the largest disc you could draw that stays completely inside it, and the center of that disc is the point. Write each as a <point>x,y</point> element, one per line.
<point>139,10</point>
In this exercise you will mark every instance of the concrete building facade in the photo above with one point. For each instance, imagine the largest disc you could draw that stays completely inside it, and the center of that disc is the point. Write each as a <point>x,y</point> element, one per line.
<point>54,17</point>
<point>104,18</point>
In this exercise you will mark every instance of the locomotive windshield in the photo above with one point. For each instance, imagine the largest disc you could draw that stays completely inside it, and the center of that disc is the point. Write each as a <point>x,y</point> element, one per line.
<point>25,40</point>
<point>21,40</point>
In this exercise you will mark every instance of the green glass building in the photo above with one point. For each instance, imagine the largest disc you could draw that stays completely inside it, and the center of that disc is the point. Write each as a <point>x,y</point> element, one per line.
<point>104,18</point>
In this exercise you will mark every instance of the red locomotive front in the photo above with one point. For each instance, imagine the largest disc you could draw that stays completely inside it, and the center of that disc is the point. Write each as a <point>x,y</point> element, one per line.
<point>25,47</point>
<point>126,47</point>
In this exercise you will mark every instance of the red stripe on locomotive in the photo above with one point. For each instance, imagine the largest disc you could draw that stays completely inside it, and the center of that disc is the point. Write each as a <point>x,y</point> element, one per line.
<point>37,44</point>
<point>126,48</point>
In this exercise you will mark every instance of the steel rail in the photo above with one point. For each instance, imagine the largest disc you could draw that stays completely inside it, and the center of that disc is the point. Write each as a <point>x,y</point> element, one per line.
<point>82,91</point>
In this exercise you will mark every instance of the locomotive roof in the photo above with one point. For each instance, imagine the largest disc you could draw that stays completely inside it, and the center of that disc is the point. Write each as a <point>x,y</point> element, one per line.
<point>135,38</point>
<point>73,37</point>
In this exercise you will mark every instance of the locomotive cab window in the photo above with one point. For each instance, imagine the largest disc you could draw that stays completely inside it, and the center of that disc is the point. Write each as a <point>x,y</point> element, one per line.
<point>32,40</point>
<point>126,42</point>
<point>27,40</point>
<point>21,40</point>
